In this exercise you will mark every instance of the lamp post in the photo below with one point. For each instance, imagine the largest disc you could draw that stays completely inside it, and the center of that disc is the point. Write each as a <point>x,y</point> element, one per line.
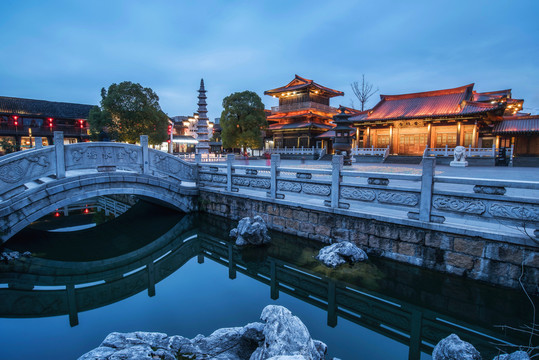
<point>342,142</point>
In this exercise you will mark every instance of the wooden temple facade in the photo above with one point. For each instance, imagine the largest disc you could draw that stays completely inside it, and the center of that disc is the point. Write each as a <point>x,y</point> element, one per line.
<point>304,113</point>
<point>408,123</point>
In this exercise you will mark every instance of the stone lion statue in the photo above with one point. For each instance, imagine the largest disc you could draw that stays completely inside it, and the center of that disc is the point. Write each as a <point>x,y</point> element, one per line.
<point>459,154</point>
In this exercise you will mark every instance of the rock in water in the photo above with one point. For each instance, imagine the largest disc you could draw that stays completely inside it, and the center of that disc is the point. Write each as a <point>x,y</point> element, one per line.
<point>453,348</point>
<point>251,231</point>
<point>8,256</point>
<point>340,253</point>
<point>517,355</point>
<point>285,334</point>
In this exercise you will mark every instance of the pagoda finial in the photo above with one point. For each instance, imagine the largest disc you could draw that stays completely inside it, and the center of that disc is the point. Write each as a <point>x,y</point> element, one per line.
<point>202,84</point>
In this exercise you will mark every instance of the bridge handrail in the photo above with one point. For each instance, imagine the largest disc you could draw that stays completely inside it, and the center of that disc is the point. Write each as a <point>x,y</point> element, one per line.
<point>23,167</point>
<point>170,165</point>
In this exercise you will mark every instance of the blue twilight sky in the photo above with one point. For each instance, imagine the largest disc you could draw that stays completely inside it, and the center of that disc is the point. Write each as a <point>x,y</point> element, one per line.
<point>68,50</point>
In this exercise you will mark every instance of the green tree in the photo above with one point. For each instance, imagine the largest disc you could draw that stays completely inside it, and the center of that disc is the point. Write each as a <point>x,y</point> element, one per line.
<point>8,145</point>
<point>242,120</point>
<point>127,111</point>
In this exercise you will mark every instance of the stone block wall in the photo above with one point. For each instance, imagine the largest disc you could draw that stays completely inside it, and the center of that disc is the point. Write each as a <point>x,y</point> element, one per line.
<point>491,261</point>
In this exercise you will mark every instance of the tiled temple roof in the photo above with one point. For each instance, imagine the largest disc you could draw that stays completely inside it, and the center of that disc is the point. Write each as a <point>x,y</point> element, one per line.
<point>43,108</point>
<point>517,125</point>
<point>430,104</point>
<point>300,83</point>
<point>491,95</point>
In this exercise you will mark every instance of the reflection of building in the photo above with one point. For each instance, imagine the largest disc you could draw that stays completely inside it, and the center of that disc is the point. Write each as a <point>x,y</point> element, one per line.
<point>408,123</point>
<point>23,119</point>
<point>303,113</point>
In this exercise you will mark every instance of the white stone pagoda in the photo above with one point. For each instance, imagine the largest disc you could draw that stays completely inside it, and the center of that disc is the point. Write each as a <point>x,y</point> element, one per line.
<point>203,146</point>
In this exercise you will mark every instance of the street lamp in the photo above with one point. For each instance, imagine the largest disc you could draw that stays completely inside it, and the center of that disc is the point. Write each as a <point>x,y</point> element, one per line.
<point>342,142</point>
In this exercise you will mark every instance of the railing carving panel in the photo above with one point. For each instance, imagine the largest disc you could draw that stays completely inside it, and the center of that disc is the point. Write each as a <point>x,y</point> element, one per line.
<point>466,205</point>
<point>21,167</point>
<point>515,211</point>
<point>172,166</point>
<point>92,155</point>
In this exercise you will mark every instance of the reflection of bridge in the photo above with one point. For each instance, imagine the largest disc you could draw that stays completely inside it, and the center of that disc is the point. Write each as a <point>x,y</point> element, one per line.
<point>87,286</point>
<point>81,286</point>
<point>34,183</point>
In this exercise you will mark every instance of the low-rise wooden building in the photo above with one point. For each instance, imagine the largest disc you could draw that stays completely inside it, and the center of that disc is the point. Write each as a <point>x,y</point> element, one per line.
<point>21,120</point>
<point>408,123</point>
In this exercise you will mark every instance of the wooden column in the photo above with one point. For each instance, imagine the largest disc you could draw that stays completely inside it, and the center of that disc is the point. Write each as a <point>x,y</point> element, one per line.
<point>459,133</point>
<point>429,135</point>
<point>391,139</point>
<point>474,136</point>
<point>368,142</point>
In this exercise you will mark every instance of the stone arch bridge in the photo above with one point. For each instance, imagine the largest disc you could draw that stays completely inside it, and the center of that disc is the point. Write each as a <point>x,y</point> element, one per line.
<point>34,183</point>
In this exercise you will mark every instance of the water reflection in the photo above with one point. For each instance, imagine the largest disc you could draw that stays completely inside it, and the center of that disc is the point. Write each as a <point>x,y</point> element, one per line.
<point>412,306</point>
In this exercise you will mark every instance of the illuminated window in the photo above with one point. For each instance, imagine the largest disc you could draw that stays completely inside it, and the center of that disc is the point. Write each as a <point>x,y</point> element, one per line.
<point>383,141</point>
<point>468,138</point>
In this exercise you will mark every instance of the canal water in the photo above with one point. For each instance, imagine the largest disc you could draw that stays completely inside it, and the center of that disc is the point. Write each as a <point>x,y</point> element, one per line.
<point>153,269</point>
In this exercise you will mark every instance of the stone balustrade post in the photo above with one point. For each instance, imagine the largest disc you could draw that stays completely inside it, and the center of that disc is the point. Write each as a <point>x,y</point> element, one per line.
<point>336,165</point>
<point>38,142</point>
<point>229,171</point>
<point>145,156</point>
<point>274,173</point>
<point>198,158</point>
<point>427,183</point>
<point>60,157</point>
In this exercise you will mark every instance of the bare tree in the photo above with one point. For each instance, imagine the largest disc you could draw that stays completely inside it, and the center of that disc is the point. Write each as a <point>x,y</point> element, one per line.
<point>363,91</point>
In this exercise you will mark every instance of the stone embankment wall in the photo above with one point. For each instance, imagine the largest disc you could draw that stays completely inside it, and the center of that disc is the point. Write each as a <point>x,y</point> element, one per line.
<point>492,261</point>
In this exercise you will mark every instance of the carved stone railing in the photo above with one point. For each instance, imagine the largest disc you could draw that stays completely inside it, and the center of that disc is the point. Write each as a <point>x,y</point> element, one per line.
<point>470,151</point>
<point>24,167</point>
<point>301,106</point>
<point>424,197</point>
<point>294,150</point>
<point>103,156</point>
<point>371,151</point>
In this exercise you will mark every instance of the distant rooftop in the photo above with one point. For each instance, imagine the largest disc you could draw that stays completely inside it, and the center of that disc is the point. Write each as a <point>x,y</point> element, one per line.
<point>300,83</point>
<point>43,108</point>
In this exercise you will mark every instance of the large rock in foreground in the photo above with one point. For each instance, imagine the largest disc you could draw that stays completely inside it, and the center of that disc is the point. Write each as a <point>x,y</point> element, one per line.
<point>517,355</point>
<point>453,348</point>
<point>282,337</point>
<point>340,253</point>
<point>251,231</point>
<point>285,334</point>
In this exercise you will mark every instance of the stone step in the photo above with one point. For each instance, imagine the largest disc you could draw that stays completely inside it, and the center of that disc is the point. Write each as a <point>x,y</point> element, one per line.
<point>403,159</point>
<point>526,161</point>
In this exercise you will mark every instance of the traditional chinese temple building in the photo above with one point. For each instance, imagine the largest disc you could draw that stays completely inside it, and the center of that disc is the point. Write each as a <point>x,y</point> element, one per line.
<point>408,123</point>
<point>303,113</point>
<point>21,120</point>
